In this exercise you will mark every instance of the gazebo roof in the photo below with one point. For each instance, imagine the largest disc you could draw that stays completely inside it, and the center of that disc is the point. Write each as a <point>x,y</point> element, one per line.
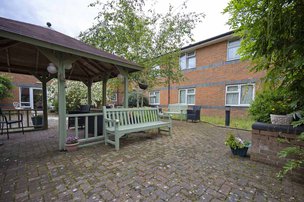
<point>22,45</point>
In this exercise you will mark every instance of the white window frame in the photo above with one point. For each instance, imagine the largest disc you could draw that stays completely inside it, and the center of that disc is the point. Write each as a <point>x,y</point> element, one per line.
<point>240,93</point>
<point>229,46</point>
<point>153,94</point>
<point>188,56</point>
<point>186,89</point>
<point>31,102</point>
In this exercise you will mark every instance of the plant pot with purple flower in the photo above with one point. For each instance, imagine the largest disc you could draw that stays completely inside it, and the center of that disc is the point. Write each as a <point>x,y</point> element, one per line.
<point>71,143</point>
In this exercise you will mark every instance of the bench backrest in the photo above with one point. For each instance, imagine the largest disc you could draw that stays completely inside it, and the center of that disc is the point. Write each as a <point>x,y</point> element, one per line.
<point>130,116</point>
<point>177,107</point>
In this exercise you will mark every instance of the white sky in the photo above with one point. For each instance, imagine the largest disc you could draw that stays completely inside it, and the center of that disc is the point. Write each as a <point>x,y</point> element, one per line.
<point>72,16</point>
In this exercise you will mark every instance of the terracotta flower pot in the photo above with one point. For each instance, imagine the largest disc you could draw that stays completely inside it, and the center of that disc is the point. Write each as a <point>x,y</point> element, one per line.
<point>71,147</point>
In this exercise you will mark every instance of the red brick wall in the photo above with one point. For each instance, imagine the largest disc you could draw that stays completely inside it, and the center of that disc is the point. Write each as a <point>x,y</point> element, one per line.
<point>210,77</point>
<point>18,80</point>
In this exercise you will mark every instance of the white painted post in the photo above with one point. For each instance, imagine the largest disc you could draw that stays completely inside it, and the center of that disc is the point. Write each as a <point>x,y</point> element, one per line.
<point>126,97</point>
<point>104,92</point>
<point>61,105</point>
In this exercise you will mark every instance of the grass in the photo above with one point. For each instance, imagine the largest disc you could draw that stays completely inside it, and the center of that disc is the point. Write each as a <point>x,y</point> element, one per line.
<point>241,123</point>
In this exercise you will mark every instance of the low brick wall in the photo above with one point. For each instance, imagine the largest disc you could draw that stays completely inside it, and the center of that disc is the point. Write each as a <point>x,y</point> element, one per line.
<point>265,144</point>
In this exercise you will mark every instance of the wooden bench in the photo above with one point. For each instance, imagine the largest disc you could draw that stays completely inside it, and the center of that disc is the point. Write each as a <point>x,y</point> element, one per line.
<point>121,121</point>
<point>180,109</point>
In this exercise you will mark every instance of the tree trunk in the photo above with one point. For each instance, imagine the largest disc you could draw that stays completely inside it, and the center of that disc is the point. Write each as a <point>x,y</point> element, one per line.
<point>169,91</point>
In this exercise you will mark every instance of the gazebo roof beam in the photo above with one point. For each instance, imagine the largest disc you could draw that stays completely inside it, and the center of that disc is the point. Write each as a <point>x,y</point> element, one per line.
<point>9,44</point>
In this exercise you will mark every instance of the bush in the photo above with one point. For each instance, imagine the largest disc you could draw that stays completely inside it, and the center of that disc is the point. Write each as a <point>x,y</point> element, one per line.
<point>270,102</point>
<point>5,86</point>
<point>133,100</point>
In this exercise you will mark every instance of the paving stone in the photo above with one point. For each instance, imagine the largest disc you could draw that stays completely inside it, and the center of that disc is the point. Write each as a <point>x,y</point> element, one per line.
<point>191,165</point>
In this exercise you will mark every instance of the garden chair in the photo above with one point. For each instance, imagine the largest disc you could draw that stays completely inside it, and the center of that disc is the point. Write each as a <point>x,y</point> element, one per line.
<point>194,114</point>
<point>9,123</point>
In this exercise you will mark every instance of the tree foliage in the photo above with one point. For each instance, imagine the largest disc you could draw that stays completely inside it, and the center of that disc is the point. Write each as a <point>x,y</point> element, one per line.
<point>128,29</point>
<point>76,93</point>
<point>5,86</point>
<point>272,33</point>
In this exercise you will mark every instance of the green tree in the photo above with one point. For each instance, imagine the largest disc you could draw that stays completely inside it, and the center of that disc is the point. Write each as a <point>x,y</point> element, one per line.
<point>131,30</point>
<point>272,33</point>
<point>272,38</point>
<point>5,86</point>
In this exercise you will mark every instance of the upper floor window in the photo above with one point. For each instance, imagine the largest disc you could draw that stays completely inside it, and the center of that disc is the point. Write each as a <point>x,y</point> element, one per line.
<point>239,95</point>
<point>154,98</point>
<point>187,60</point>
<point>232,48</point>
<point>187,96</point>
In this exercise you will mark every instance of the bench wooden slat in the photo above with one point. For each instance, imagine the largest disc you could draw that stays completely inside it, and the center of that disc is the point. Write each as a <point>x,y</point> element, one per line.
<point>119,122</point>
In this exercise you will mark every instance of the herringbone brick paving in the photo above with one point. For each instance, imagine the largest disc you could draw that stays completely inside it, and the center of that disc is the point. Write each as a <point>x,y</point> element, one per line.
<point>191,165</point>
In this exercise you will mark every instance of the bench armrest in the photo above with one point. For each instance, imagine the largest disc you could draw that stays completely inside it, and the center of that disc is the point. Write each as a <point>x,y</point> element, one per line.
<point>115,122</point>
<point>165,116</point>
<point>111,120</point>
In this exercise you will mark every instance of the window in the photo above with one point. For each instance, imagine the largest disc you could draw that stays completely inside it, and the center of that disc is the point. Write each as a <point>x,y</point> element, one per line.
<point>187,60</point>
<point>239,95</point>
<point>30,97</point>
<point>233,46</point>
<point>187,96</point>
<point>154,98</point>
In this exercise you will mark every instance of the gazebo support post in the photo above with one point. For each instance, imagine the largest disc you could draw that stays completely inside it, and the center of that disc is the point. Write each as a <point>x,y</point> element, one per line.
<point>104,92</point>
<point>126,85</point>
<point>45,106</point>
<point>89,86</point>
<point>61,105</point>
<point>44,79</point>
<point>62,62</point>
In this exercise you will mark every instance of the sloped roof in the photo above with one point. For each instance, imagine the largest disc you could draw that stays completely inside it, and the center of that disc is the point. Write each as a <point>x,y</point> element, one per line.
<point>29,35</point>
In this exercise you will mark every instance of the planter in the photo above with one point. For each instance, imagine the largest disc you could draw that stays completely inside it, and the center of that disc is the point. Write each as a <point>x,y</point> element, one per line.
<point>281,119</point>
<point>71,147</point>
<point>142,86</point>
<point>240,151</point>
<point>37,121</point>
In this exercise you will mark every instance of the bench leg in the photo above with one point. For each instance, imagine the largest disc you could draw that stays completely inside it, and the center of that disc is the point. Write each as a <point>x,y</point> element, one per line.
<point>158,130</point>
<point>116,142</point>
<point>170,130</point>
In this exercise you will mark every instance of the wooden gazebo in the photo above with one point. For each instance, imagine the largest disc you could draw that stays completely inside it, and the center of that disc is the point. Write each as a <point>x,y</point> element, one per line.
<point>29,49</point>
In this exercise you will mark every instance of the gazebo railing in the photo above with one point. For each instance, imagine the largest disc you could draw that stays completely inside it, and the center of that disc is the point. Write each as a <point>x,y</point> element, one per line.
<point>88,133</point>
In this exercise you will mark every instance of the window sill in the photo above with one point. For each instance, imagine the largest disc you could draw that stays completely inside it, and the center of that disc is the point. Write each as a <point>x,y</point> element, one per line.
<point>232,60</point>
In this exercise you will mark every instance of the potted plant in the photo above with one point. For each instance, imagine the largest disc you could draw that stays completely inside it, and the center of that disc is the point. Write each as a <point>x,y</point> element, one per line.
<point>272,106</point>
<point>71,143</point>
<point>37,121</point>
<point>237,145</point>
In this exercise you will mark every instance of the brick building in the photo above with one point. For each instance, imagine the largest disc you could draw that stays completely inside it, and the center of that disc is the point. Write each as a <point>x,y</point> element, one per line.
<point>214,78</point>
<point>27,90</point>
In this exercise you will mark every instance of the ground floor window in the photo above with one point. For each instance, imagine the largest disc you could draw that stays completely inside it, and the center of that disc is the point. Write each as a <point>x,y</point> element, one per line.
<point>239,95</point>
<point>30,97</point>
<point>187,96</point>
<point>154,98</point>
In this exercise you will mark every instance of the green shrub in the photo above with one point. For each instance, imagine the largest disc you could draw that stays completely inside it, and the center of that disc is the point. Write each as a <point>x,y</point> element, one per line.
<point>133,100</point>
<point>270,102</point>
<point>5,86</point>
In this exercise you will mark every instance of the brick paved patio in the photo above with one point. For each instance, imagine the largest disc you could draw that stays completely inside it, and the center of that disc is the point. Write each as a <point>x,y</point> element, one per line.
<point>192,165</point>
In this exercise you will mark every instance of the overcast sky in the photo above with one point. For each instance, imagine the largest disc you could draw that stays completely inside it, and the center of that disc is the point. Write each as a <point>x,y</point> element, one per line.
<point>72,16</point>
